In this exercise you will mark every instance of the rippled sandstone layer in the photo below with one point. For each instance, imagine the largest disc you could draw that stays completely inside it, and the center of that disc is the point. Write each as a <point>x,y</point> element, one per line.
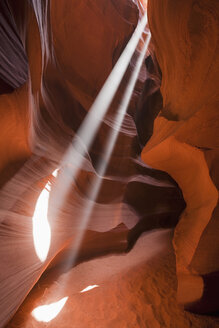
<point>69,57</point>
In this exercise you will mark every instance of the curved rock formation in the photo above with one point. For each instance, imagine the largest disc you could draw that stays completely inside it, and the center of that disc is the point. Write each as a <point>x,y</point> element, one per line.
<point>55,57</point>
<point>65,47</point>
<point>184,141</point>
<point>13,59</point>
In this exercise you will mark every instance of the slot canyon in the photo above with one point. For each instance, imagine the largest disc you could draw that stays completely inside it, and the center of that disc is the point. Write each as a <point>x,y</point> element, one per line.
<point>109,154</point>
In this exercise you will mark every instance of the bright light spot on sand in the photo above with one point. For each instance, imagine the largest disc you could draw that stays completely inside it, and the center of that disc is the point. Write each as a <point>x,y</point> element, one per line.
<point>41,227</point>
<point>55,173</point>
<point>46,313</point>
<point>89,288</point>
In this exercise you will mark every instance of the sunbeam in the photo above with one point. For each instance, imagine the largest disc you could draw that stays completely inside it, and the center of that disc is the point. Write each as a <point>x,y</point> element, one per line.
<point>89,127</point>
<point>97,181</point>
<point>87,131</point>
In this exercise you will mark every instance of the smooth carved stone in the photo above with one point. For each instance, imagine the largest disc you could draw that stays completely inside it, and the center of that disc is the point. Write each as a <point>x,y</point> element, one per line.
<point>188,32</point>
<point>71,49</point>
<point>184,141</point>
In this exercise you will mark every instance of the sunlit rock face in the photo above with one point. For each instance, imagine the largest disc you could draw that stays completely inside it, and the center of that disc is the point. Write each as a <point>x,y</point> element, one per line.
<point>185,138</point>
<point>70,47</point>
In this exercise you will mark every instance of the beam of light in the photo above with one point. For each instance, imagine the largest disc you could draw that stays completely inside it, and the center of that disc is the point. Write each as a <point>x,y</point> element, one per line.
<point>41,228</point>
<point>101,169</point>
<point>87,132</point>
<point>88,129</point>
<point>46,313</point>
<point>88,288</point>
<point>102,166</point>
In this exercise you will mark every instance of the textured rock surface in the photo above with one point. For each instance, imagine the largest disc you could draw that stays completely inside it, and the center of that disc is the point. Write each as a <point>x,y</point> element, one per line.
<point>136,290</point>
<point>184,141</point>
<point>13,60</point>
<point>65,47</point>
<point>71,48</point>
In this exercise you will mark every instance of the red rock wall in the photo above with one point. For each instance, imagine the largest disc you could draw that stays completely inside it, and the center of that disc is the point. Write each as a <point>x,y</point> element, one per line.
<point>71,48</point>
<point>185,137</point>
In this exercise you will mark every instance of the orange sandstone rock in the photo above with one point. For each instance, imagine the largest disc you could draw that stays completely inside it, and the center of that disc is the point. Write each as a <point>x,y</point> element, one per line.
<point>185,137</point>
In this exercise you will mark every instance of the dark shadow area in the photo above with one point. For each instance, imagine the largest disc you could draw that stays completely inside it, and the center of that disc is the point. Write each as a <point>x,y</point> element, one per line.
<point>13,59</point>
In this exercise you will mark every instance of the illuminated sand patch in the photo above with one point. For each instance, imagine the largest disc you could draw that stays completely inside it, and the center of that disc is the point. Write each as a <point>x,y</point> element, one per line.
<point>46,313</point>
<point>90,287</point>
